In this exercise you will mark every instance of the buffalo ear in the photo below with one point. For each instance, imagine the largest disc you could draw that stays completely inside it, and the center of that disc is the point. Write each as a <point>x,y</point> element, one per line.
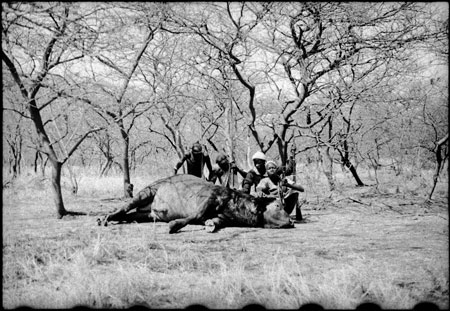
<point>262,203</point>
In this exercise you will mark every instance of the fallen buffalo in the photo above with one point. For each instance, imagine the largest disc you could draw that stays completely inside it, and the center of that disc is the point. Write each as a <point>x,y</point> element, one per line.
<point>186,199</point>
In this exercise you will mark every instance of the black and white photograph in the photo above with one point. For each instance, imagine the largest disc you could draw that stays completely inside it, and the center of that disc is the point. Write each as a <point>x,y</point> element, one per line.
<point>225,155</point>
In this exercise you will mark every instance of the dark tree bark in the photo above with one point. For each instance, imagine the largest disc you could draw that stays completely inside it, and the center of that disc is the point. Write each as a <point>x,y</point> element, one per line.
<point>345,159</point>
<point>127,186</point>
<point>56,188</point>
<point>15,148</point>
<point>40,163</point>
<point>439,149</point>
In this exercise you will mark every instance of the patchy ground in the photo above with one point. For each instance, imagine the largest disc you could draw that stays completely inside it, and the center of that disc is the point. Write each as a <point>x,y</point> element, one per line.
<point>390,249</point>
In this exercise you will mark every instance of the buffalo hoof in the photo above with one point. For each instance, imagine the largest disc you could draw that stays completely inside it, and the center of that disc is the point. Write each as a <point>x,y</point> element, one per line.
<point>210,226</point>
<point>174,226</point>
<point>102,222</point>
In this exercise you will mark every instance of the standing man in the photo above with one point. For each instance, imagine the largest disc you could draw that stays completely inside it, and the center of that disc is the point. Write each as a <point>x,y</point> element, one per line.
<point>195,161</point>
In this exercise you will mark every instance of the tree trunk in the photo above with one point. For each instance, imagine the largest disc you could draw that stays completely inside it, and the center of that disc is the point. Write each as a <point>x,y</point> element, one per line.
<point>56,189</point>
<point>105,170</point>
<point>19,160</point>
<point>13,165</point>
<point>37,158</point>
<point>230,121</point>
<point>51,155</point>
<point>127,186</point>
<point>327,168</point>
<point>43,165</point>
<point>345,158</point>
<point>439,161</point>
<point>73,180</point>
<point>298,210</point>
<point>375,165</point>
<point>282,150</point>
<point>375,170</point>
<point>126,173</point>
<point>355,175</point>
<point>249,153</point>
<point>435,180</point>
<point>15,156</point>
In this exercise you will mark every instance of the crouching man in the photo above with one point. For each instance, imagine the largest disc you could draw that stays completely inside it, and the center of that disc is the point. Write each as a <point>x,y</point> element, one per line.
<point>285,190</point>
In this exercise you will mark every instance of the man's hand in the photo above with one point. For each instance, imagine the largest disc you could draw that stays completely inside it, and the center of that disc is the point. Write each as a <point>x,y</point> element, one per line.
<point>260,194</point>
<point>233,166</point>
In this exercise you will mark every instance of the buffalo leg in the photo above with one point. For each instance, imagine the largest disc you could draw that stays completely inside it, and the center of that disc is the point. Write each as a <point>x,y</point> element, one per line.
<point>177,224</point>
<point>137,217</point>
<point>214,224</point>
<point>205,206</point>
<point>142,199</point>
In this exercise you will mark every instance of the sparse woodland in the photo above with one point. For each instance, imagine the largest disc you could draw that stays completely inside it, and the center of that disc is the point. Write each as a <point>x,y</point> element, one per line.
<point>100,96</point>
<point>128,87</point>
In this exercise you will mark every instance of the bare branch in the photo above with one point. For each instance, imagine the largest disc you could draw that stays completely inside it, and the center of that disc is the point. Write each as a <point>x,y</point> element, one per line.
<point>17,111</point>
<point>80,140</point>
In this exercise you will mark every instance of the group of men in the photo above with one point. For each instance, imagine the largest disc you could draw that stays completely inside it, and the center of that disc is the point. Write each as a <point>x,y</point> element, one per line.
<point>263,179</point>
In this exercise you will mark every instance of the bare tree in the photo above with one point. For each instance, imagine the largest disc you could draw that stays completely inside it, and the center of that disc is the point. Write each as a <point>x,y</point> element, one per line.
<point>55,32</point>
<point>15,145</point>
<point>441,152</point>
<point>306,46</point>
<point>327,45</point>
<point>112,73</point>
<point>184,110</point>
<point>105,144</point>
<point>238,76</point>
<point>435,118</point>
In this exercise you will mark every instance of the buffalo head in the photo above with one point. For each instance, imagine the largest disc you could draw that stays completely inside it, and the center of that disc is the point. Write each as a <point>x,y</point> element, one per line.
<point>260,211</point>
<point>274,216</point>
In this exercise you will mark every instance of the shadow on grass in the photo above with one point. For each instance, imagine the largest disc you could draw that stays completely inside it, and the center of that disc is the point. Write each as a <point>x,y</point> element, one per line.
<point>305,220</point>
<point>72,214</point>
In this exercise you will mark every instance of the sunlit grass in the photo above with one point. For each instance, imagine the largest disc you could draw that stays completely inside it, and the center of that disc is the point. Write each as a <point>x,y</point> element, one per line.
<point>102,270</point>
<point>29,185</point>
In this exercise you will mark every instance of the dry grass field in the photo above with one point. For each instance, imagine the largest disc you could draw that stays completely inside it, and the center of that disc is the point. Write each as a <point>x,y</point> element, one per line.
<point>355,245</point>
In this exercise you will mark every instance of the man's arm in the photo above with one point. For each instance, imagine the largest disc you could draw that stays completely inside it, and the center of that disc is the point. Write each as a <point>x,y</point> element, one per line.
<point>248,182</point>
<point>179,164</point>
<point>262,186</point>
<point>293,185</point>
<point>264,189</point>
<point>237,169</point>
<point>214,175</point>
<point>208,165</point>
